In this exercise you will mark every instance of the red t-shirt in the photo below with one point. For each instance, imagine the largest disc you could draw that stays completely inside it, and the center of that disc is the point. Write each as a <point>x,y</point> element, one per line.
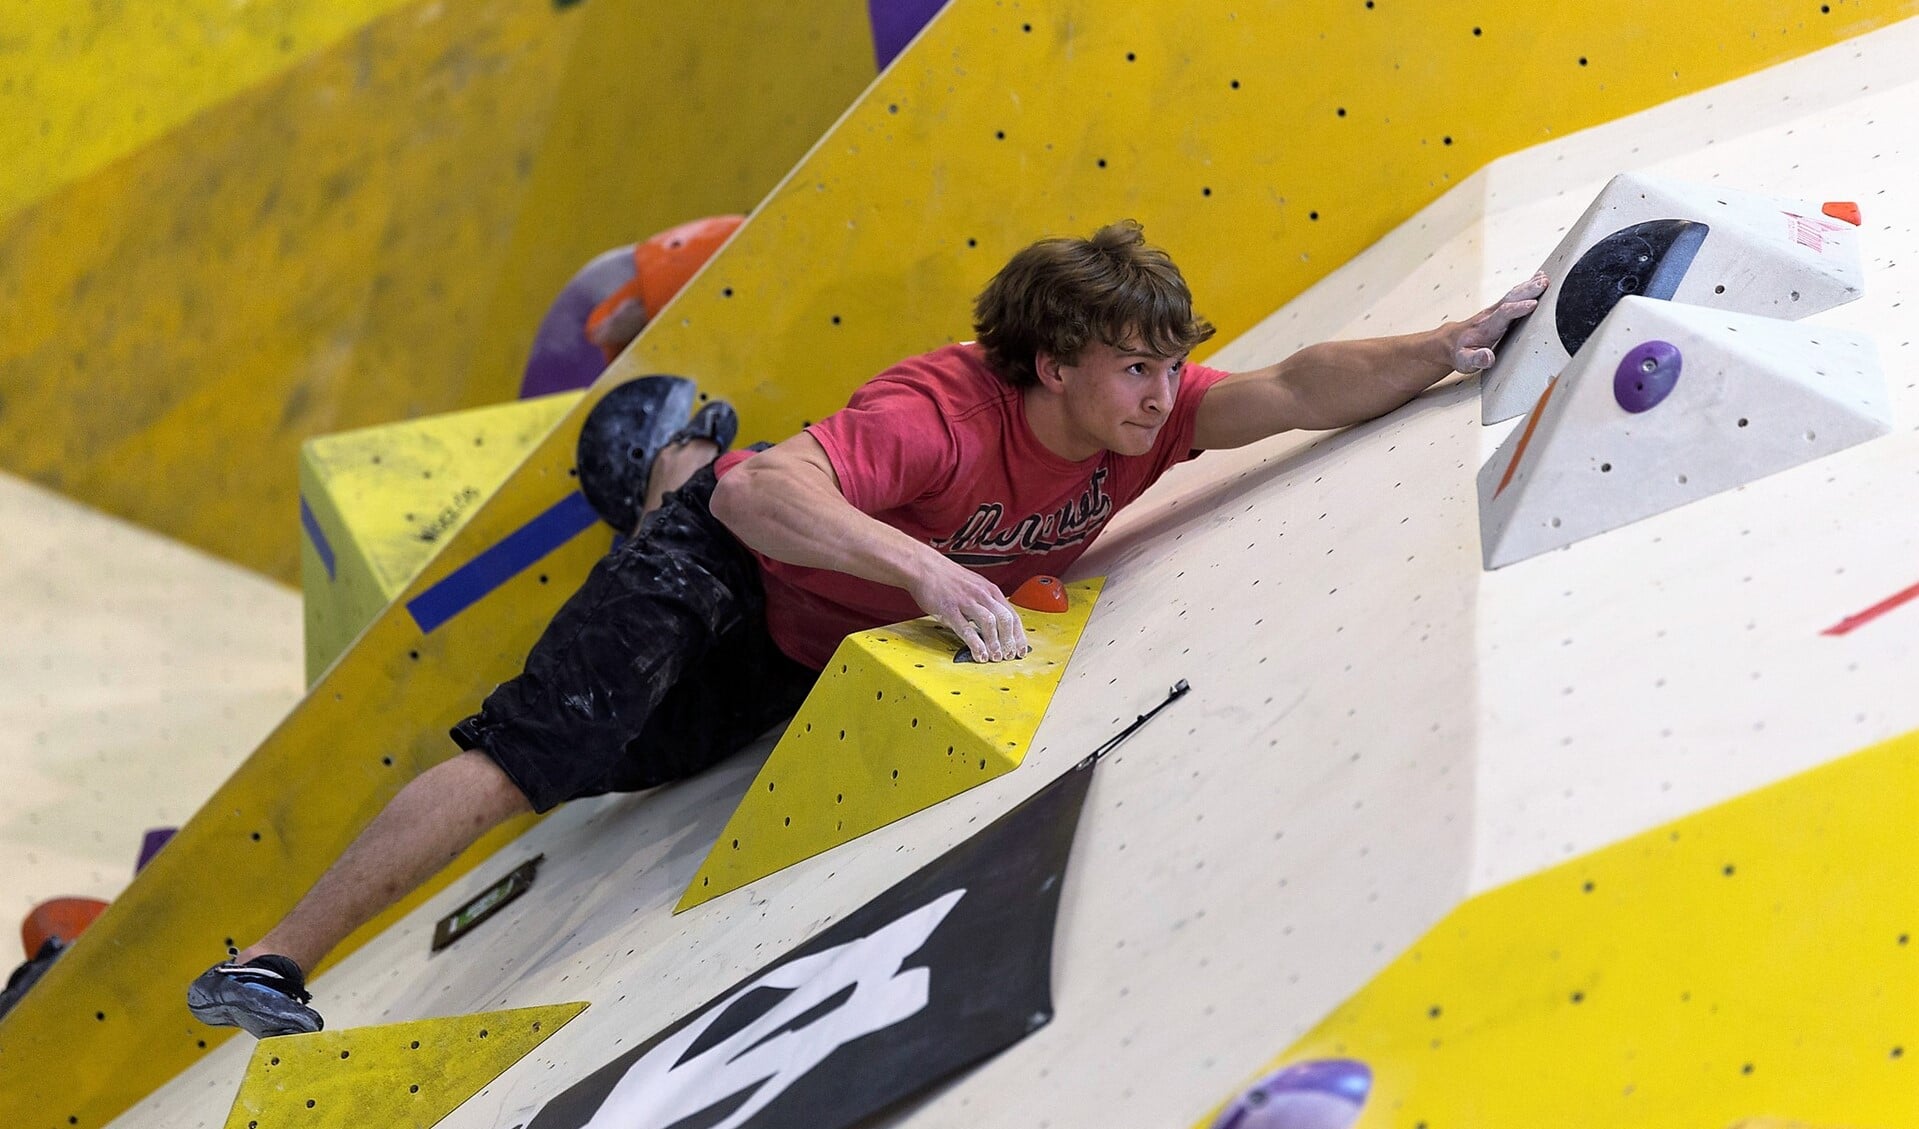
<point>937,446</point>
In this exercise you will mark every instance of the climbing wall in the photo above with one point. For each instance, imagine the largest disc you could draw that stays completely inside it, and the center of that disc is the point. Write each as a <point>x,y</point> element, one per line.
<point>88,86</point>
<point>361,219</point>
<point>1730,964</point>
<point>1378,728</point>
<point>1282,833</point>
<point>136,675</point>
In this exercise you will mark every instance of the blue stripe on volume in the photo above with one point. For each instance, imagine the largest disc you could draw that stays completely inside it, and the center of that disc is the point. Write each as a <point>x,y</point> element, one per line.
<point>477,578</point>
<point>314,533</point>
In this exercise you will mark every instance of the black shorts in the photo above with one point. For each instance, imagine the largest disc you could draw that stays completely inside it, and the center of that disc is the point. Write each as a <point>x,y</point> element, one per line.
<point>659,666</point>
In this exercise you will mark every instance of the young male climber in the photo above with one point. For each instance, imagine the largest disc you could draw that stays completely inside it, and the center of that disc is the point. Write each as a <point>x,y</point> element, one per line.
<point>944,483</point>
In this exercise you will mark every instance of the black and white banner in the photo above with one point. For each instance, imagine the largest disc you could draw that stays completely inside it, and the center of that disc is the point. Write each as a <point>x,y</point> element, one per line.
<point>940,972</point>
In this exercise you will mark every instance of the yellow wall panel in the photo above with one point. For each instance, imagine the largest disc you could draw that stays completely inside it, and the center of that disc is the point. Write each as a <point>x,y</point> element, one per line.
<point>374,235</point>
<point>1219,126</point>
<point>86,84</point>
<point>1753,960</point>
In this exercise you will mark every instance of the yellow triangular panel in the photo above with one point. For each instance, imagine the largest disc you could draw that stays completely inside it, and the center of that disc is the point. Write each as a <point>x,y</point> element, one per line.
<point>380,501</point>
<point>397,1076</point>
<point>894,725</point>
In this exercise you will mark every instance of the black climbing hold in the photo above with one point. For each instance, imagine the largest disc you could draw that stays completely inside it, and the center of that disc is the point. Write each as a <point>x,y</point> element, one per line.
<point>1648,259</point>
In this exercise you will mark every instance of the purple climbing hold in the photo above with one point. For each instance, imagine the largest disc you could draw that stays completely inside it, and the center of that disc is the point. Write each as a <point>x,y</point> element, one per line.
<point>150,845</point>
<point>1646,376</point>
<point>1321,1094</point>
<point>896,22</point>
<point>562,359</point>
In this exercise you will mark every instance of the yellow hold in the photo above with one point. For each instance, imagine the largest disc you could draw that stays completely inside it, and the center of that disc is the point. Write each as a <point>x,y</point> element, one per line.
<point>894,725</point>
<point>384,499</point>
<point>397,1076</point>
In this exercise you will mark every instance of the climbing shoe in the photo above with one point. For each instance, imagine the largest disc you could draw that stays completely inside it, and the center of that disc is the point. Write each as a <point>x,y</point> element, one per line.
<point>267,996</point>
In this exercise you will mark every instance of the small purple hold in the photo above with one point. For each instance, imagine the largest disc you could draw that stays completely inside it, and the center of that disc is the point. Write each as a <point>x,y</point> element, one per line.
<point>150,845</point>
<point>1646,376</point>
<point>1321,1094</point>
<point>562,359</point>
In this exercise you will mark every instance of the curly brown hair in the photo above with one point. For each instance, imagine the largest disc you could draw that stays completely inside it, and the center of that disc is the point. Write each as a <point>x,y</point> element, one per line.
<point>1059,295</point>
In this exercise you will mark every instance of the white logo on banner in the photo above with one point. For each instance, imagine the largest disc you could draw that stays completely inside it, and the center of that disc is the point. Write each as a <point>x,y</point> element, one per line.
<point>655,1093</point>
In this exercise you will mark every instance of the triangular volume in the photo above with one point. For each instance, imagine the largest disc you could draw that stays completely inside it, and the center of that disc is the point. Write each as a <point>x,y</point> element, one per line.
<point>951,965</point>
<point>895,725</point>
<point>402,1075</point>
<point>376,503</point>
<point>1668,404</point>
<point>1689,243</point>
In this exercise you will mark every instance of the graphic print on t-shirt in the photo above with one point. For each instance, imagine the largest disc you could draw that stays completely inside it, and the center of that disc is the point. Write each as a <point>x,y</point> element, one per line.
<point>982,541</point>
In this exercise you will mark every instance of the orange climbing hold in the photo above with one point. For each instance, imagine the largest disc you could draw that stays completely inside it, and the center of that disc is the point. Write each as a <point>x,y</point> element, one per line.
<point>1041,594</point>
<point>1843,210</point>
<point>667,261</point>
<point>65,918</point>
